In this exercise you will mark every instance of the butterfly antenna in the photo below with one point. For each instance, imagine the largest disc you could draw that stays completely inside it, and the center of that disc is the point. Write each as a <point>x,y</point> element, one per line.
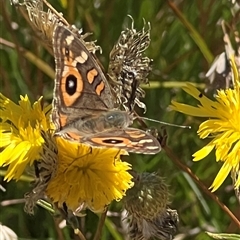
<point>168,124</point>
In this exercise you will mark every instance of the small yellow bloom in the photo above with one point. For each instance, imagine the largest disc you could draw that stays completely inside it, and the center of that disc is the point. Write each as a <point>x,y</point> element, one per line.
<point>223,126</point>
<point>20,134</point>
<point>88,177</point>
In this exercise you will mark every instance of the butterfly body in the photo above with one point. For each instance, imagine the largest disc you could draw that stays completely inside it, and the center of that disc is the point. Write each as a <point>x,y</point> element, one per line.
<point>84,106</point>
<point>103,122</point>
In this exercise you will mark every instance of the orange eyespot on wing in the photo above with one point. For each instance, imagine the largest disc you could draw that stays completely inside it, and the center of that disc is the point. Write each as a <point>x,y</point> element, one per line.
<point>111,142</point>
<point>130,139</point>
<point>71,85</point>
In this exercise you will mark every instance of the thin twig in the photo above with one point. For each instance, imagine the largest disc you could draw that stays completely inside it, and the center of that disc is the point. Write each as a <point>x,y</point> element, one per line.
<point>79,234</point>
<point>60,235</point>
<point>100,225</point>
<point>31,57</point>
<point>7,23</point>
<point>176,160</point>
<point>11,202</point>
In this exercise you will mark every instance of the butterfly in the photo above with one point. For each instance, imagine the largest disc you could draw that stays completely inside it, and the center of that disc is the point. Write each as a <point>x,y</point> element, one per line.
<point>84,104</point>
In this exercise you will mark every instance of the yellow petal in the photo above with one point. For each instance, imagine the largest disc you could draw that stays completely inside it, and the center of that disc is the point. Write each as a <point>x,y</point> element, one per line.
<point>189,110</point>
<point>237,183</point>
<point>221,176</point>
<point>5,139</point>
<point>202,153</point>
<point>5,155</point>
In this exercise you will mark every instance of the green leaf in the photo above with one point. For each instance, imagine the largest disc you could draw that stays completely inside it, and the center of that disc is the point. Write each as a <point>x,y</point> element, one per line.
<point>225,236</point>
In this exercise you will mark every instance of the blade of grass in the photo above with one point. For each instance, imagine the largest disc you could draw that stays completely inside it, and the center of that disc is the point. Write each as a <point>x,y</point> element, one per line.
<point>193,33</point>
<point>112,229</point>
<point>43,66</point>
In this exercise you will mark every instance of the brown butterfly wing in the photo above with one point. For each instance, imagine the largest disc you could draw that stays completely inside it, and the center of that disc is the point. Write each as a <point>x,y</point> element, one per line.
<point>81,89</point>
<point>129,139</point>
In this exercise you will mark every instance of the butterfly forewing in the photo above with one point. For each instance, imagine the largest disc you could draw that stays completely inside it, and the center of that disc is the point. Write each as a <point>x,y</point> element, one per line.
<point>81,88</point>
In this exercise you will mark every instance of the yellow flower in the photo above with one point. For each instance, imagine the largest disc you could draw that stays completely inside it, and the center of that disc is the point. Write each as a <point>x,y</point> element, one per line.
<point>69,172</point>
<point>223,126</point>
<point>20,134</point>
<point>88,177</point>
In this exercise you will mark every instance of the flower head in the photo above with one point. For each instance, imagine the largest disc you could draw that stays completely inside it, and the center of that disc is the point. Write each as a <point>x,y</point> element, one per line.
<point>20,134</point>
<point>222,126</point>
<point>88,177</point>
<point>148,197</point>
<point>163,226</point>
<point>147,208</point>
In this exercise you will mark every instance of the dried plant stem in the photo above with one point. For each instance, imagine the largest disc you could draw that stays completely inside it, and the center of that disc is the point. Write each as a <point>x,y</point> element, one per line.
<point>79,234</point>
<point>100,226</point>
<point>43,66</point>
<point>59,231</point>
<point>177,161</point>
<point>64,21</point>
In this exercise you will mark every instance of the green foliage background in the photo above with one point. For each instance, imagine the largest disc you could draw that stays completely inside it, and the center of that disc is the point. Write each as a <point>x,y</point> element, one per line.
<point>181,53</point>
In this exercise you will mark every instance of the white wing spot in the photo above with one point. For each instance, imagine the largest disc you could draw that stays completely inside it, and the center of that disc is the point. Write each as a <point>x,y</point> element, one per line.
<point>149,140</point>
<point>152,147</point>
<point>84,55</point>
<point>69,39</point>
<point>82,58</point>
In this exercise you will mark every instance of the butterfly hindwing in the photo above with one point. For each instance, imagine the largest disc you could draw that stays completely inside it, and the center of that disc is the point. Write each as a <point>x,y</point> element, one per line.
<point>130,139</point>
